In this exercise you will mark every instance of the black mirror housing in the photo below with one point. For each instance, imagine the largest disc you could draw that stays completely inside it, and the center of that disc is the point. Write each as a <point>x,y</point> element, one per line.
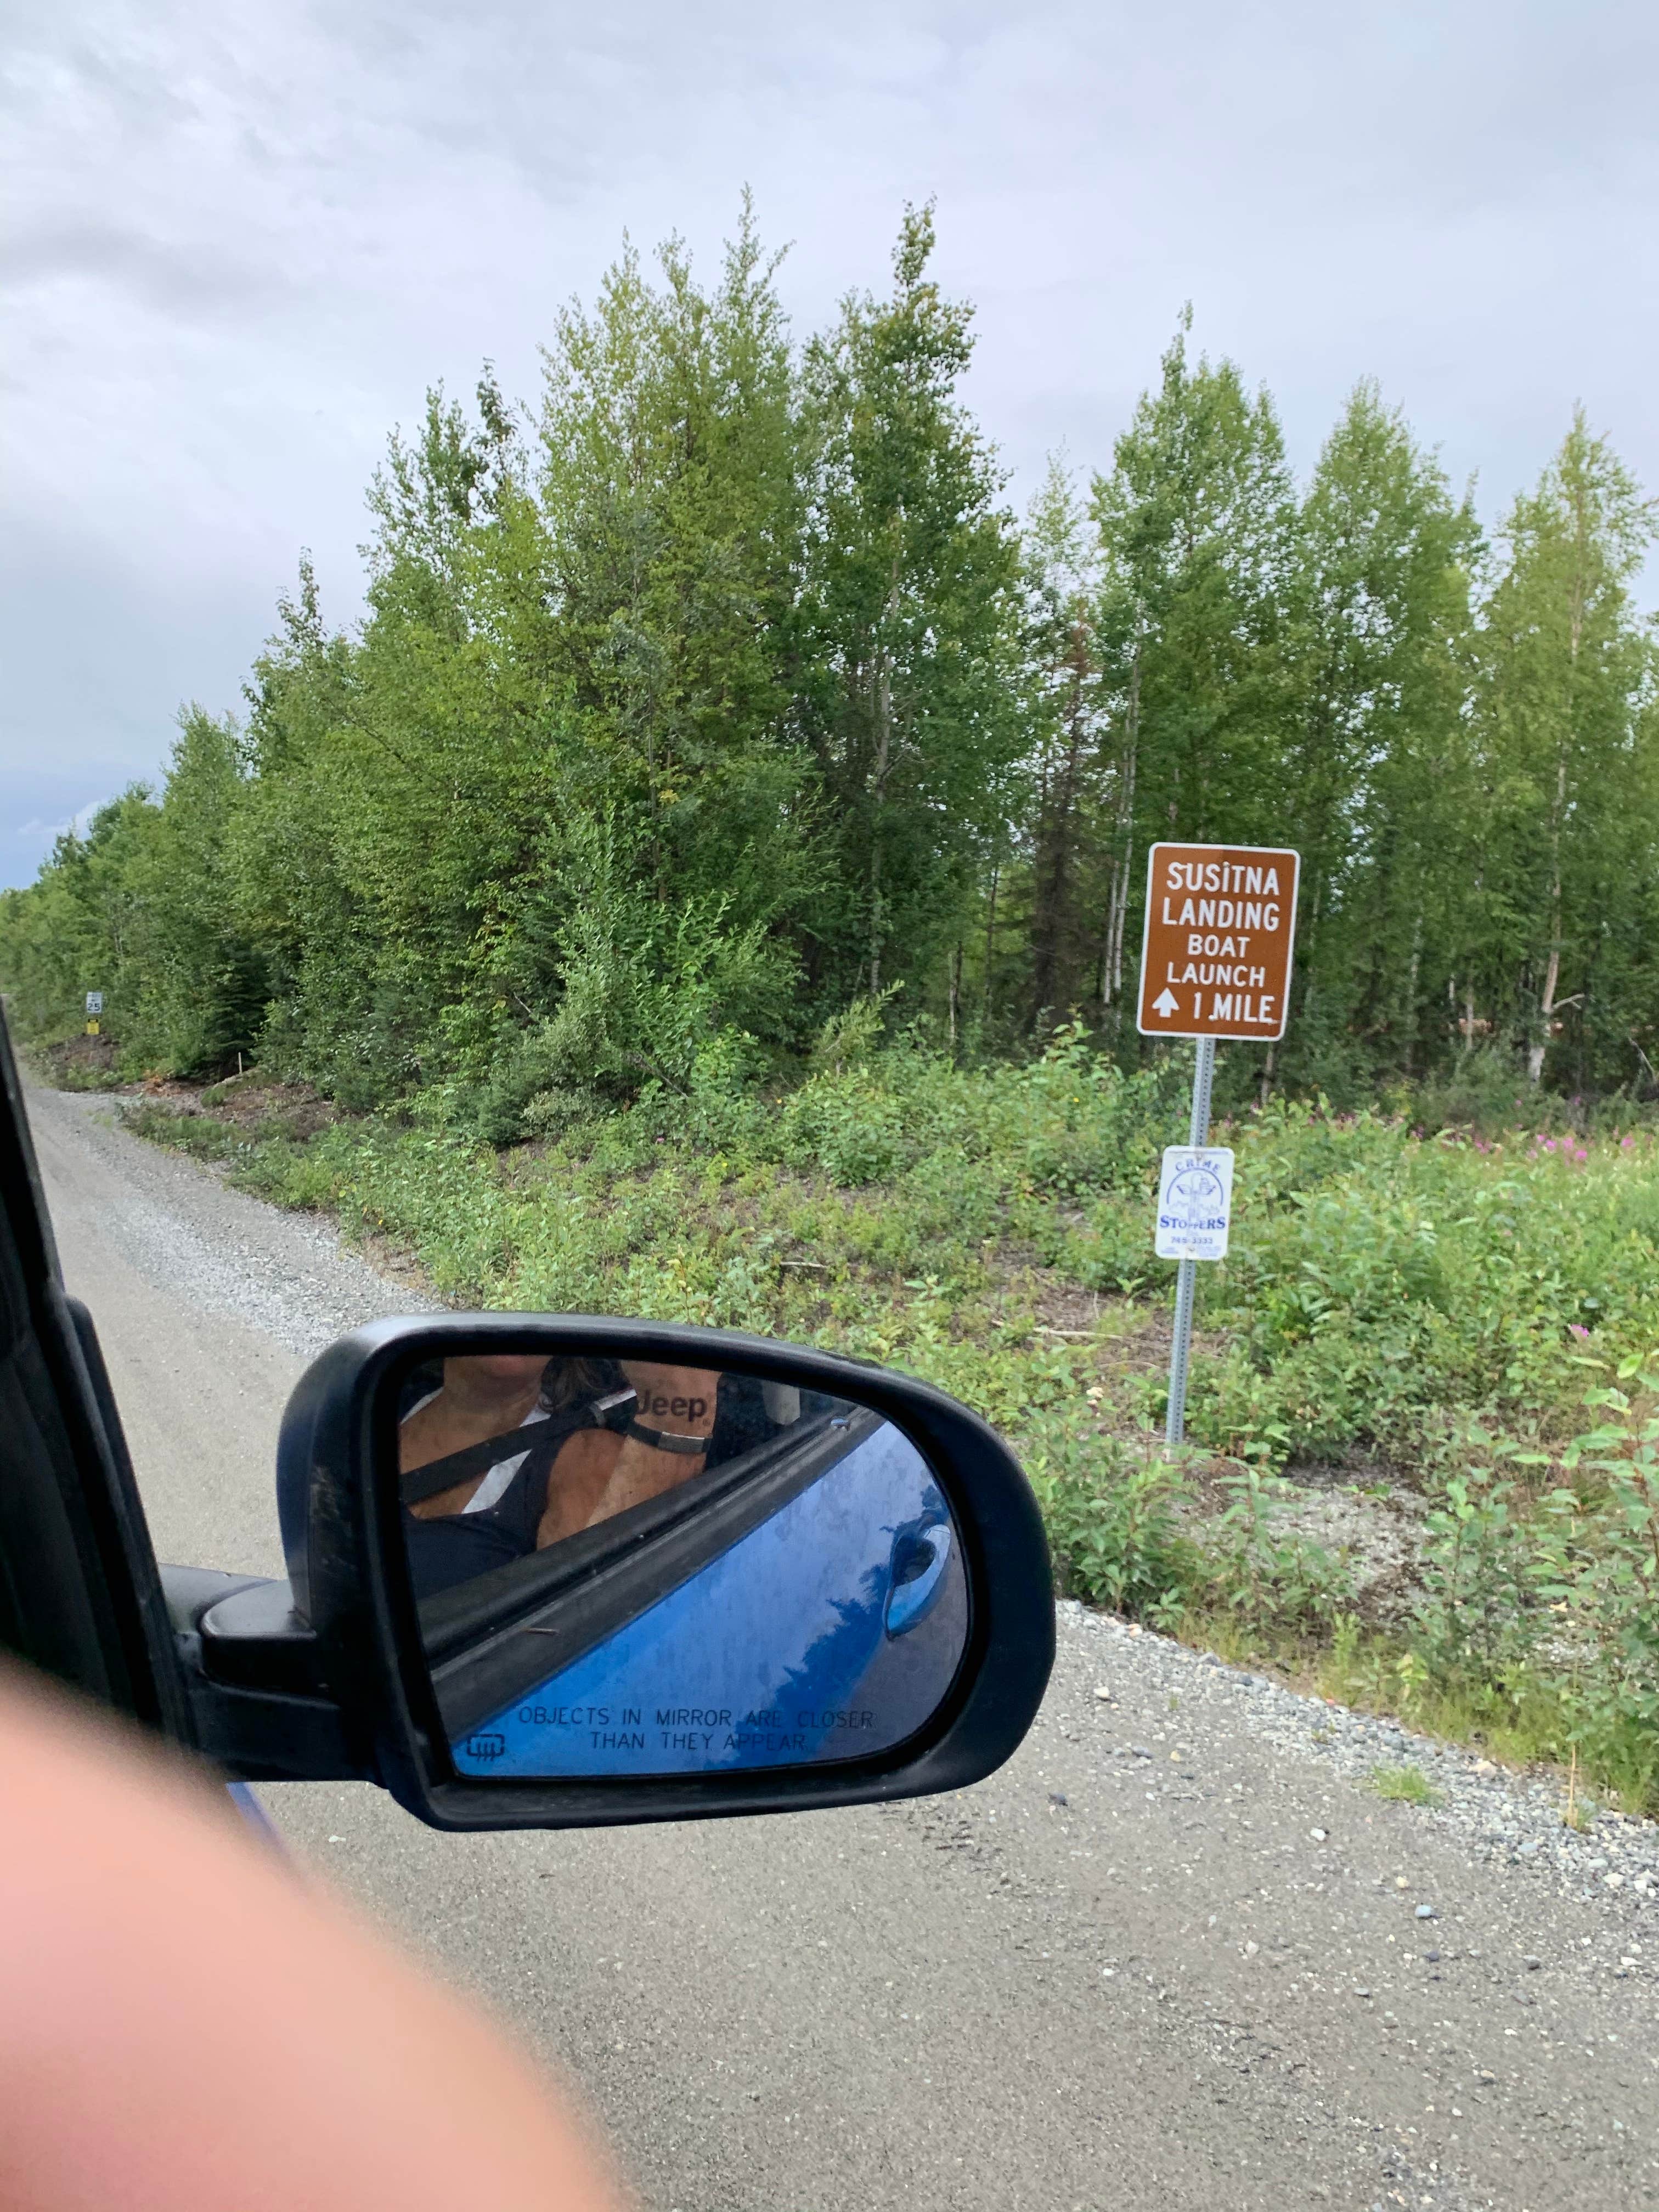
<point>342,1535</point>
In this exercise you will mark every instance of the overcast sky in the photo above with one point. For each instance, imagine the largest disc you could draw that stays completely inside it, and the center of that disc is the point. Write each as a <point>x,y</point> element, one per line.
<point>242,241</point>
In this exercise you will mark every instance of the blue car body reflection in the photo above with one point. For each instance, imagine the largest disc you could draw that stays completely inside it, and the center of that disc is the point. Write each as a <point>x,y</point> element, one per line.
<point>830,1631</point>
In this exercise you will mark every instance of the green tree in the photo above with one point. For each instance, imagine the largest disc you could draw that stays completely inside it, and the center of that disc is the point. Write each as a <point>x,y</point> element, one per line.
<point>1377,787</point>
<point>908,628</point>
<point>141,908</point>
<point>75,929</point>
<point>201,981</point>
<point>722,692</point>
<point>1069,774</point>
<point>1198,540</point>
<point>1565,749</point>
<point>673,509</point>
<point>560,750</point>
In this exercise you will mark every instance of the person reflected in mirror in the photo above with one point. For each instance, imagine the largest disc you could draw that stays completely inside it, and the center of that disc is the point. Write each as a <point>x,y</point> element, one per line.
<point>668,1437</point>
<point>514,1493</point>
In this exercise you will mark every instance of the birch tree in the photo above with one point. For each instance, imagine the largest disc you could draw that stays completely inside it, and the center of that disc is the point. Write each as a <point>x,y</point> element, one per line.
<point>1377,787</point>
<point>1070,780</point>
<point>1564,668</point>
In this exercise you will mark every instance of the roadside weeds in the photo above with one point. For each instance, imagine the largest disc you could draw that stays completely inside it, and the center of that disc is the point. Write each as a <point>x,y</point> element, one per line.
<point>1501,1589</point>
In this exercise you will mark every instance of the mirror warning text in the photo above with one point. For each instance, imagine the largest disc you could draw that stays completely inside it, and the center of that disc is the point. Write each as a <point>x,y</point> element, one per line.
<point>712,1730</point>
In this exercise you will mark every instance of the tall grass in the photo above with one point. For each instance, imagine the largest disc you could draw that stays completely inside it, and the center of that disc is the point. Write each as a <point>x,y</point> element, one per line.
<point>1441,1301</point>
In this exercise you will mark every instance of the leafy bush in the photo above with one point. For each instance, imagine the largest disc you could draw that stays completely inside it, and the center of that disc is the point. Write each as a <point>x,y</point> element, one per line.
<point>1541,1585</point>
<point>1113,1518</point>
<point>1379,1281</point>
<point>1436,1299</point>
<point>1263,1572</point>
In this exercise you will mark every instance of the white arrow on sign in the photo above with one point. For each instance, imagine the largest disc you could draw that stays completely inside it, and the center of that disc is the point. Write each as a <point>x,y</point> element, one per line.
<point>1166,1003</point>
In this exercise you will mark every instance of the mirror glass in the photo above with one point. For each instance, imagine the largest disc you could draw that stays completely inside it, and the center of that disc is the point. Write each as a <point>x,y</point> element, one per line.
<point>624,1568</point>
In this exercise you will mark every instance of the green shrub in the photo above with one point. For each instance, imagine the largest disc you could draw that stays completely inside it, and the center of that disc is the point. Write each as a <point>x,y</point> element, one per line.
<point>1263,1572</point>
<point>1112,1516</point>
<point>1434,1298</point>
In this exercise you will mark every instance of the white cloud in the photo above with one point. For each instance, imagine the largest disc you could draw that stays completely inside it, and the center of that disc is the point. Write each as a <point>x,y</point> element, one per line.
<point>241,242</point>
<point>78,823</point>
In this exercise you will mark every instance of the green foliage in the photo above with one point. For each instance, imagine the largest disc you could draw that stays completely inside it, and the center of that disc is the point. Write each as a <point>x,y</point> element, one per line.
<point>907,626</point>
<point>139,909</point>
<point>1440,1299</point>
<point>1561,904</point>
<point>721,691</point>
<point>1378,1282</point>
<point>711,874</point>
<point>1601,1546</point>
<point>1263,1571</point>
<point>1197,522</point>
<point>1378,619</point>
<point>1113,1520</point>
<point>1540,1584</point>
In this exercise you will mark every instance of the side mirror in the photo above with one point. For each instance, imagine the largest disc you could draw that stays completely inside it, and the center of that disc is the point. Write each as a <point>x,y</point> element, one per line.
<point>570,1572</point>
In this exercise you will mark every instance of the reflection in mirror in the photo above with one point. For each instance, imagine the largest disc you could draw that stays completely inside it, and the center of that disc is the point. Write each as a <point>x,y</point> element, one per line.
<point>624,1568</point>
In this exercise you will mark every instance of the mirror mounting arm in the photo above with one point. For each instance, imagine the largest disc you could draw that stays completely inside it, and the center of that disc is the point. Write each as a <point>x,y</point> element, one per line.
<point>261,1709</point>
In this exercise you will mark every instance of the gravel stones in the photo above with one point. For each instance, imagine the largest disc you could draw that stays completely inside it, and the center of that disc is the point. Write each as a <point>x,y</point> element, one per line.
<point>1496,1815</point>
<point>289,1276</point>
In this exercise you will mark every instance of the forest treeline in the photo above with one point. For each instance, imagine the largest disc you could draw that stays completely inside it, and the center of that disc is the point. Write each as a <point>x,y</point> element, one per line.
<point>723,691</point>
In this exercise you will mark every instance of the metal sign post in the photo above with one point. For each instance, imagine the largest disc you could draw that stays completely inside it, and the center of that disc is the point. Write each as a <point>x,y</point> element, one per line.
<point>1215,962</point>
<point>1174,1422</point>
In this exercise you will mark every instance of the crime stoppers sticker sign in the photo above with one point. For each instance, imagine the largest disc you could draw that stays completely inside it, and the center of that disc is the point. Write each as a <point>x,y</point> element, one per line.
<point>1194,1202</point>
<point>1215,955</point>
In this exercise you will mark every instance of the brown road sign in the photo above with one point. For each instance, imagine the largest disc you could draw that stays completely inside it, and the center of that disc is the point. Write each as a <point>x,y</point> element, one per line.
<point>1215,957</point>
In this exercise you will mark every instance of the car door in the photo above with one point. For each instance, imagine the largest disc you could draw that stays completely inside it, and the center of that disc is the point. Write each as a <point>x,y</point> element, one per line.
<point>80,1594</point>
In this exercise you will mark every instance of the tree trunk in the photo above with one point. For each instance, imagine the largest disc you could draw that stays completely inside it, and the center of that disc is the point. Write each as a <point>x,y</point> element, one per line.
<point>883,739</point>
<point>1268,1075</point>
<point>1552,966</point>
<point>883,701</point>
<point>1302,954</point>
<point>1056,835</point>
<point>991,938</point>
<point>1411,992</point>
<point>1122,841</point>
<point>1559,809</point>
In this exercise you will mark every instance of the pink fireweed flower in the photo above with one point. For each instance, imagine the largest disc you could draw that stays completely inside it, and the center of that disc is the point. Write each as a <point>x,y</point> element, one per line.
<point>1579,1329</point>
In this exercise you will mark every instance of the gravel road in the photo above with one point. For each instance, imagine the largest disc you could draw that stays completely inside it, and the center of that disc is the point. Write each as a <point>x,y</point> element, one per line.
<point>1177,1953</point>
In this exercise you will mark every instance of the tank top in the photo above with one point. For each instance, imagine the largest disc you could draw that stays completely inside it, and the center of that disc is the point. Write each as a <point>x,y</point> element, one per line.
<point>499,1523</point>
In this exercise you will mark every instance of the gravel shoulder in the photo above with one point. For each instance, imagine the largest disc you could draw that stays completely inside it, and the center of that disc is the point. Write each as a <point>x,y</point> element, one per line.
<point>1177,1953</point>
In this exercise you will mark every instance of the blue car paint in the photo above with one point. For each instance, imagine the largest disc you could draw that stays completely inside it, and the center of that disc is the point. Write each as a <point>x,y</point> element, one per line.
<point>763,1657</point>
<point>255,1814</point>
<point>912,1595</point>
